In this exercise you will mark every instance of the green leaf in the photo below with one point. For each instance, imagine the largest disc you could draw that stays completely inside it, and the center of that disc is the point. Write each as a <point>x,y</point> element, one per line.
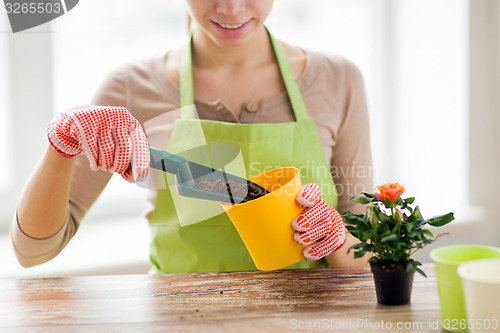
<point>363,200</point>
<point>357,246</point>
<point>410,200</point>
<point>420,271</point>
<point>384,229</point>
<point>417,217</point>
<point>359,254</point>
<point>351,216</point>
<point>370,195</point>
<point>389,238</point>
<point>353,198</point>
<point>383,217</point>
<point>427,232</point>
<point>439,221</point>
<point>354,219</point>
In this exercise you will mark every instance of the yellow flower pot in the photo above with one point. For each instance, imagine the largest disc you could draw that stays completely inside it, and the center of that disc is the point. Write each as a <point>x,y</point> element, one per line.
<point>264,224</point>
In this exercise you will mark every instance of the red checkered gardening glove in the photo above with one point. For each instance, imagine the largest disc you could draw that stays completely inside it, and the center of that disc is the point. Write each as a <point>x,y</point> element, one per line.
<point>111,138</point>
<point>319,227</point>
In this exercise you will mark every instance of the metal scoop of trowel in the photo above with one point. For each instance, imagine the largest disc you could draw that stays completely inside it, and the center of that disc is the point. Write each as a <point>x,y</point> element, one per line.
<point>189,174</point>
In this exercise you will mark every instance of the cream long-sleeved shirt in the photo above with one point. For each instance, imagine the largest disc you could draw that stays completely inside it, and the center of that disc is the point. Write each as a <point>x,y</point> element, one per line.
<point>334,94</point>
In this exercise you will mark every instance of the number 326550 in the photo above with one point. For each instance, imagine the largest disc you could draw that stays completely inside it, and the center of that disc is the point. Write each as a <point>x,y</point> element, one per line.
<point>453,324</point>
<point>33,8</point>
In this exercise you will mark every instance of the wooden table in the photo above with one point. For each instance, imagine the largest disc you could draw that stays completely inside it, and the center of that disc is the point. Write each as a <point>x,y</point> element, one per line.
<point>340,300</point>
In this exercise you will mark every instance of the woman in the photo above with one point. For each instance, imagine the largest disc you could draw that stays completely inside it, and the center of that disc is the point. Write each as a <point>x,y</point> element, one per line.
<point>243,84</point>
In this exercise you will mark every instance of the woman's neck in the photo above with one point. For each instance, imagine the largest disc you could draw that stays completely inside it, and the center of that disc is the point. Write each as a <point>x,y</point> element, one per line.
<point>207,54</point>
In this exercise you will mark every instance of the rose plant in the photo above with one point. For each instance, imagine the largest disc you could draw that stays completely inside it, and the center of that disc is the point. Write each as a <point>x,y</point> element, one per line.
<point>391,229</point>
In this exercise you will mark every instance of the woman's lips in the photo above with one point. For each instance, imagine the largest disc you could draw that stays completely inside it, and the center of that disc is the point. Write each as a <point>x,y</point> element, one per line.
<point>230,26</point>
<point>231,29</point>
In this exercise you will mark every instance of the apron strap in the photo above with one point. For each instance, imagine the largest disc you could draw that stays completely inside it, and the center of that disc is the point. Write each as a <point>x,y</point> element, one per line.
<point>187,92</point>
<point>292,89</point>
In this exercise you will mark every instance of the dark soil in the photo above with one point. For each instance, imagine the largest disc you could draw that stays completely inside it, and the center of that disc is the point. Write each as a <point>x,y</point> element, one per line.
<point>234,188</point>
<point>390,266</point>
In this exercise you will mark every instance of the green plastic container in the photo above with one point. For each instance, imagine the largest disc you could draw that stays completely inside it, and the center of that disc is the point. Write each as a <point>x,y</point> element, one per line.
<point>446,260</point>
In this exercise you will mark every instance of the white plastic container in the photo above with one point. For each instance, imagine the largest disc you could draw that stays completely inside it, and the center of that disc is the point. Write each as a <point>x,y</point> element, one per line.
<point>481,287</point>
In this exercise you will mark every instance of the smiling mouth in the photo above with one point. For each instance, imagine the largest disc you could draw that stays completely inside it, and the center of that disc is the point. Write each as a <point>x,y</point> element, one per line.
<point>230,26</point>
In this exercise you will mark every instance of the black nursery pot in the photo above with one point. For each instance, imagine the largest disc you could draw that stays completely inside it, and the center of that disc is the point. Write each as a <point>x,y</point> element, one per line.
<point>393,287</point>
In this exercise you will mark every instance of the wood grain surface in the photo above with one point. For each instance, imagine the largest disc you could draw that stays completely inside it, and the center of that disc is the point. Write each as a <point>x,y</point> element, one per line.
<point>313,300</point>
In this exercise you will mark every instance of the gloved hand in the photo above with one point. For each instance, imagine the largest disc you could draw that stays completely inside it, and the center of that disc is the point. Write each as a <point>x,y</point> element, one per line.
<point>111,138</point>
<point>319,227</point>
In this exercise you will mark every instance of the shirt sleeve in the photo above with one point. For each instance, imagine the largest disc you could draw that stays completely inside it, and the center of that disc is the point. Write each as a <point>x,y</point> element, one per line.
<point>351,159</point>
<point>32,251</point>
<point>86,186</point>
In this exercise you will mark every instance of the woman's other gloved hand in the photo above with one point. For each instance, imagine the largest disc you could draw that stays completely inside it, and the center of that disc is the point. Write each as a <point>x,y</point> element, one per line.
<point>319,227</point>
<point>111,138</point>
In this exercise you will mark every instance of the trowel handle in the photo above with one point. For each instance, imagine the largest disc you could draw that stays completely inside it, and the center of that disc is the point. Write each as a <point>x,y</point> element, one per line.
<point>165,161</point>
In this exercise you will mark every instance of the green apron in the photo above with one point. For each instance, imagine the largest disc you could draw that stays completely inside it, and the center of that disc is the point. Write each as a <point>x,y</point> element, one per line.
<point>214,244</point>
